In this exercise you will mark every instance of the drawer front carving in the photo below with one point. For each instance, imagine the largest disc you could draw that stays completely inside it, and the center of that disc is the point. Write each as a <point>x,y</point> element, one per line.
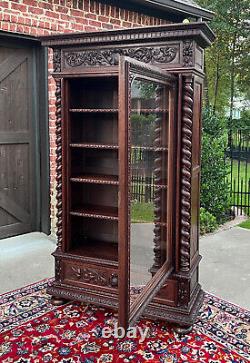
<point>79,274</point>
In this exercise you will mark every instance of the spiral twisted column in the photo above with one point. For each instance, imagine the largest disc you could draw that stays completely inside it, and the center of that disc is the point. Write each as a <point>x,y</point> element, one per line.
<point>59,163</point>
<point>186,173</point>
<point>157,180</point>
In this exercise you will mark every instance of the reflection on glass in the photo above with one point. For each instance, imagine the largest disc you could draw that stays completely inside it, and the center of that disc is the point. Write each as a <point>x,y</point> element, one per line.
<point>148,180</point>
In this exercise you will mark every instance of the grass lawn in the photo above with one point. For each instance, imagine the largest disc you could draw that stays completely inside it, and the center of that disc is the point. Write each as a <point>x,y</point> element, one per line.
<point>142,212</point>
<point>245,224</point>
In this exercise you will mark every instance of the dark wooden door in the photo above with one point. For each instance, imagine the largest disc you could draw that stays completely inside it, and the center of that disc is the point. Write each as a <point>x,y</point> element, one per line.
<point>17,146</point>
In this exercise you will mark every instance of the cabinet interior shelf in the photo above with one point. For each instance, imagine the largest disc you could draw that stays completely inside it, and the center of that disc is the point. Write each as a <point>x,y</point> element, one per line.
<point>93,110</point>
<point>95,179</point>
<point>94,211</point>
<point>95,249</point>
<point>115,110</point>
<point>149,148</point>
<point>94,146</point>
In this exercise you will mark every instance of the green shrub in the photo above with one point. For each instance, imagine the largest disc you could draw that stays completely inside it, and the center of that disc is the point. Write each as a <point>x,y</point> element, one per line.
<point>215,197</point>
<point>208,222</point>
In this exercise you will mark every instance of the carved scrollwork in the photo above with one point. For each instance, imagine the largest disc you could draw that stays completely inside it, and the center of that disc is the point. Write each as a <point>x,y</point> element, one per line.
<point>188,53</point>
<point>59,224</point>
<point>57,60</point>
<point>100,57</point>
<point>186,165</point>
<point>91,276</point>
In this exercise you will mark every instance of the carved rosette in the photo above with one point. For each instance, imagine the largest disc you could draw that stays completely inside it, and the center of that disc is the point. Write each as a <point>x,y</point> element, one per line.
<point>108,57</point>
<point>186,165</point>
<point>188,53</point>
<point>57,60</point>
<point>59,162</point>
<point>157,179</point>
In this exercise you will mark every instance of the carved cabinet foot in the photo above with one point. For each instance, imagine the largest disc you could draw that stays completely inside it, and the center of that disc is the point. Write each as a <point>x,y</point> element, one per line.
<point>183,329</point>
<point>57,301</point>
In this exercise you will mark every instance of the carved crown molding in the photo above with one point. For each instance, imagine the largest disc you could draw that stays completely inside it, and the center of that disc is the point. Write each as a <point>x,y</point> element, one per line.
<point>108,57</point>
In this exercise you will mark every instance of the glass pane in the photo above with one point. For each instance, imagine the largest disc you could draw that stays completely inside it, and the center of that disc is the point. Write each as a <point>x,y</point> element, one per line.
<point>148,181</point>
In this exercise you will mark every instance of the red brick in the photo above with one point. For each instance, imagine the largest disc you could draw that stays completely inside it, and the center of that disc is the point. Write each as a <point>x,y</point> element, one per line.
<point>90,29</point>
<point>62,9</point>
<point>34,10</point>
<point>103,9</point>
<point>5,26</point>
<point>27,21</point>
<point>103,19</point>
<point>86,5</point>
<point>95,23</point>
<point>107,26</point>
<point>115,21</point>
<point>20,7</point>
<point>6,17</point>
<point>77,13</point>
<point>51,14</point>
<point>65,17</point>
<point>4,4</point>
<point>78,27</point>
<point>126,24</point>
<point>46,5</point>
<point>91,16</point>
<point>30,2</point>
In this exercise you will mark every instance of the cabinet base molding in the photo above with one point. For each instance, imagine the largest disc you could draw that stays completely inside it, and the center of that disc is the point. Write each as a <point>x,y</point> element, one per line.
<point>183,318</point>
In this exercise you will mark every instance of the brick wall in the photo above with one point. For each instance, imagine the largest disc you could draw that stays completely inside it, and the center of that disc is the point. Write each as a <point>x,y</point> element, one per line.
<point>37,17</point>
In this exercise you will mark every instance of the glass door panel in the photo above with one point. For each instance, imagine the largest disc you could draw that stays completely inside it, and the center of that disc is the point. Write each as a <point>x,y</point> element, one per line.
<point>148,120</point>
<point>144,120</point>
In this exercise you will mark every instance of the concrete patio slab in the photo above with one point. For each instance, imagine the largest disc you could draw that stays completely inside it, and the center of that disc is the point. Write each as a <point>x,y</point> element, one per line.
<point>225,267</point>
<point>25,259</point>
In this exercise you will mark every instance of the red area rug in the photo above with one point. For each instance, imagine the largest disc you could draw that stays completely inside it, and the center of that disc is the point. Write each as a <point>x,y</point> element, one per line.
<point>32,330</point>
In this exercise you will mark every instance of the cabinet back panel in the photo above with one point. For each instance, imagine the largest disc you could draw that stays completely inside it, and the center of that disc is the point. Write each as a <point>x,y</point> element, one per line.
<point>92,194</point>
<point>94,93</point>
<point>104,162</point>
<point>94,128</point>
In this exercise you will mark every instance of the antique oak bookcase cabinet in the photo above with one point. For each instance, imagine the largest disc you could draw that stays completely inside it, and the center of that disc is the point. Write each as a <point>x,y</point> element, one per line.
<point>128,107</point>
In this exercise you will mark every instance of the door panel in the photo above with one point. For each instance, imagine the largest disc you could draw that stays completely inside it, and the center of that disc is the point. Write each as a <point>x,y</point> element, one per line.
<point>17,184</point>
<point>145,177</point>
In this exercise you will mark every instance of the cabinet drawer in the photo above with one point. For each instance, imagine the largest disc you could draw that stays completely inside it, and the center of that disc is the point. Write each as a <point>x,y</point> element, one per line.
<point>83,274</point>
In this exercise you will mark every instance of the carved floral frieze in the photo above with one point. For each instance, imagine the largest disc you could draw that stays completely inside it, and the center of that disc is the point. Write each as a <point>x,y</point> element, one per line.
<point>109,57</point>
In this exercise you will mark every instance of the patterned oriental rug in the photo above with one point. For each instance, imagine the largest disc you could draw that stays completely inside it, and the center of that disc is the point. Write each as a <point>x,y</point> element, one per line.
<point>32,330</point>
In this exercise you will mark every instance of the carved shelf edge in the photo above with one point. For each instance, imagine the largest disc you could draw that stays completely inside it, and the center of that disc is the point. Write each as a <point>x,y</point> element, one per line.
<point>94,146</point>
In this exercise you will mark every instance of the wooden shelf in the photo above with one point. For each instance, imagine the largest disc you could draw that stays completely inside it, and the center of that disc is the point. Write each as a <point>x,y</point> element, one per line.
<point>148,110</point>
<point>94,211</point>
<point>94,146</point>
<point>94,249</point>
<point>115,110</point>
<point>93,110</point>
<point>149,148</point>
<point>96,179</point>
